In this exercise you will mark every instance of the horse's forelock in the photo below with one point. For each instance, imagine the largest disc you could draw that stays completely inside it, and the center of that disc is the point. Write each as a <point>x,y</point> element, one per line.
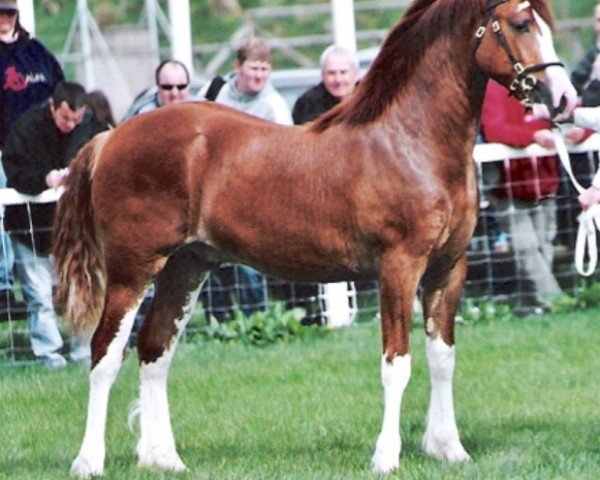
<point>544,10</point>
<point>423,23</point>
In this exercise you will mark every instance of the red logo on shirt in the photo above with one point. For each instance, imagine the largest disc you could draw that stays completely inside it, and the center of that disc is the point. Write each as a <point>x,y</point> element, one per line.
<point>14,80</point>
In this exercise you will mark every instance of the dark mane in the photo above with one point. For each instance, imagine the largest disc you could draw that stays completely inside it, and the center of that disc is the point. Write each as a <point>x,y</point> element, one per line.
<point>423,23</point>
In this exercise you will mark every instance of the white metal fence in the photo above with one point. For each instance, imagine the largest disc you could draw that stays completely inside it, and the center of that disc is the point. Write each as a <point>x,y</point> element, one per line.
<point>492,274</point>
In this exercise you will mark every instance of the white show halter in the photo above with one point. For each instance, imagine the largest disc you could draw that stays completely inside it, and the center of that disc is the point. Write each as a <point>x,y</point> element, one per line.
<point>589,219</point>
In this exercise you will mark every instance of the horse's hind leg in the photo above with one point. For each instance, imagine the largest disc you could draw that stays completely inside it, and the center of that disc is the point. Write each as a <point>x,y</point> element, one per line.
<point>441,439</point>
<point>108,346</point>
<point>177,289</point>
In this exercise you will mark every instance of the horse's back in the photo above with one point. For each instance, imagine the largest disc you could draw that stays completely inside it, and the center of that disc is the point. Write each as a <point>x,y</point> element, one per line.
<point>286,199</point>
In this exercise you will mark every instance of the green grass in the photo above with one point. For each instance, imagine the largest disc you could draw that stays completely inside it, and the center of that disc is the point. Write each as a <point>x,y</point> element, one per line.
<point>526,391</point>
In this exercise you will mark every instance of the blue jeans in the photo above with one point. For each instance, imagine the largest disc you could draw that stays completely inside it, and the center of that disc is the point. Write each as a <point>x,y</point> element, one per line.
<point>247,284</point>
<point>7,257</point>
<point>7,260</point>
<point>35,272</point>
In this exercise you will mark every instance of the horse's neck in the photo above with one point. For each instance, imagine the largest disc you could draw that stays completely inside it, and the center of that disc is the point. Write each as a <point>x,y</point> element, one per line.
<point>446,95</point>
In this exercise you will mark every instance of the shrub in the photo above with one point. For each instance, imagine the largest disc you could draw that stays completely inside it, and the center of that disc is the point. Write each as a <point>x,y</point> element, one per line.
<point>483,312</point>
<point>274,325</point>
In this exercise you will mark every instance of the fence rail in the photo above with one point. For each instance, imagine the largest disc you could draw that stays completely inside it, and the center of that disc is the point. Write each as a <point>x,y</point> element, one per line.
<point>491,273</point>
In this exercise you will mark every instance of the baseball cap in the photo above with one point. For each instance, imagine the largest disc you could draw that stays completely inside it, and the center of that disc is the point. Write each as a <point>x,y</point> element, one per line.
<point>9,5</point>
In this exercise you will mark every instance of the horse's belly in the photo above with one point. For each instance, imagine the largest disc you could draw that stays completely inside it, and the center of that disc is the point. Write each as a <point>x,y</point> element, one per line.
<point>301,258</point>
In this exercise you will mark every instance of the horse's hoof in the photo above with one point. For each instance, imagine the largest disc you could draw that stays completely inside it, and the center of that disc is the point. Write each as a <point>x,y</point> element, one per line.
<point>384,465</point>
<point>386,459</point>
<point>169,462</point>
<point>450,451</point>
<point>82,468</point>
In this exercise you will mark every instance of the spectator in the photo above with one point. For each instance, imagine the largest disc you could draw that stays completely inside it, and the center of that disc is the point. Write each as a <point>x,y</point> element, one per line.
<point>586,75</point>
<point>99,104</point>
<point>248,89</point>
<point>37,153</point>
<point>339,77</point>
<point>28,73</point>
<point>589,117</point>
<point>529,185</point>
<point>172,86</point>
<point>172,80</point>
<point>586,79</point>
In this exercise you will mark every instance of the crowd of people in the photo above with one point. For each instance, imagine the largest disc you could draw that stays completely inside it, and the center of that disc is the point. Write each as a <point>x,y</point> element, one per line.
<point>45,119</point>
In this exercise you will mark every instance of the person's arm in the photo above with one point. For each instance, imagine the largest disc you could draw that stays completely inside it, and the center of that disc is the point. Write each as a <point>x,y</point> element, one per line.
<point>503,119</point>
<point>587,117</point>
<point>20,159</point>
<point>581,73</point>
<point>591,95</point>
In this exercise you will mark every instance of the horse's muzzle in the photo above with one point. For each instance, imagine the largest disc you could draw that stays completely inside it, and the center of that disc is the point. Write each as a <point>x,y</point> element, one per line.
<point>540,93</point>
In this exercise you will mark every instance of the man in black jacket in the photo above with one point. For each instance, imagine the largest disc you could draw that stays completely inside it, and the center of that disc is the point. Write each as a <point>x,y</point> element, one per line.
<point>339,74</point>
<point>586,74</point>
<point>37,152</point>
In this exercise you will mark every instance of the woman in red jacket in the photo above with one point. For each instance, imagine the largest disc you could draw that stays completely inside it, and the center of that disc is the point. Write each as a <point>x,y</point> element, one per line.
<point>529,185</point>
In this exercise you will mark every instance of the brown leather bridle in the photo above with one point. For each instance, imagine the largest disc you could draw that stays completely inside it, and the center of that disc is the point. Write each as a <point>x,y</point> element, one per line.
<point>524,82</point>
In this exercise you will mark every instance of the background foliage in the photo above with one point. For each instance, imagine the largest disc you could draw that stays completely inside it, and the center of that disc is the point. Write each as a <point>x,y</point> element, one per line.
<point>210,24</point>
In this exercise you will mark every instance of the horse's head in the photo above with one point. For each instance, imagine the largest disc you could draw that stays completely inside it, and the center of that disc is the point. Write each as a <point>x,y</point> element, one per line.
<point>514,46</point>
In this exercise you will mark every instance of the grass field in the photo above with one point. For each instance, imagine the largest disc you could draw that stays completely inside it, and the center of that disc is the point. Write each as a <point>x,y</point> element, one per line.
<point>527,400</point>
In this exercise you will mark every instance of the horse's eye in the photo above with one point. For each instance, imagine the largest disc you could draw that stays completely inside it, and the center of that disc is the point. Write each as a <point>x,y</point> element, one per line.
<point>521,27</point>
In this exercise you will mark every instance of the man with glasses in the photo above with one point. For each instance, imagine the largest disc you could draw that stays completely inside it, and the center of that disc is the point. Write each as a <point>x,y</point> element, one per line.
<point>172,86</point>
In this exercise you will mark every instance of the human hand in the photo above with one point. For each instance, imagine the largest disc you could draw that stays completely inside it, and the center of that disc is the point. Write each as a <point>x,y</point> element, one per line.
<point>589,197</point>
<point>540,111</point>
<point>544,138</point>
<point>574,135</point>
<point>56,178</point>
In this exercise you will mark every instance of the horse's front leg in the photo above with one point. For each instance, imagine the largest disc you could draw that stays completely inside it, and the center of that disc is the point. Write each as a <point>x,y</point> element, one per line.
<point>440,301</point>
<point>177,289</point>
<point>108,346</point>
<point>398,286</point>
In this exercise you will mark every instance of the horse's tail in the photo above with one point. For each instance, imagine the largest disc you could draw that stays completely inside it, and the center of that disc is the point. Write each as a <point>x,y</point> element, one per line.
<point>79,261</point>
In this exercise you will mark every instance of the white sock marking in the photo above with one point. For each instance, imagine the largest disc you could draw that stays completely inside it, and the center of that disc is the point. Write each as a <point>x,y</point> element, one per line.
<point>156,447</point>
<point>394,377</point>
<point>90,460</point>
<point>441,439</point>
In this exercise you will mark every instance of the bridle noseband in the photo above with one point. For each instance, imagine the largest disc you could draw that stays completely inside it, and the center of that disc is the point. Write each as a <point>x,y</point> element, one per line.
<point>524,82</point>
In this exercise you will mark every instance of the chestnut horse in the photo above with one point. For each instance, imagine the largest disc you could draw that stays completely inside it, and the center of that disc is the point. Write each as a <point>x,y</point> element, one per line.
<point>383,186</point>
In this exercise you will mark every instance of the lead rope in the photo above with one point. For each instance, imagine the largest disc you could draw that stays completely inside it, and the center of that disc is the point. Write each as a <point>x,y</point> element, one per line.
<point>589,220</point>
